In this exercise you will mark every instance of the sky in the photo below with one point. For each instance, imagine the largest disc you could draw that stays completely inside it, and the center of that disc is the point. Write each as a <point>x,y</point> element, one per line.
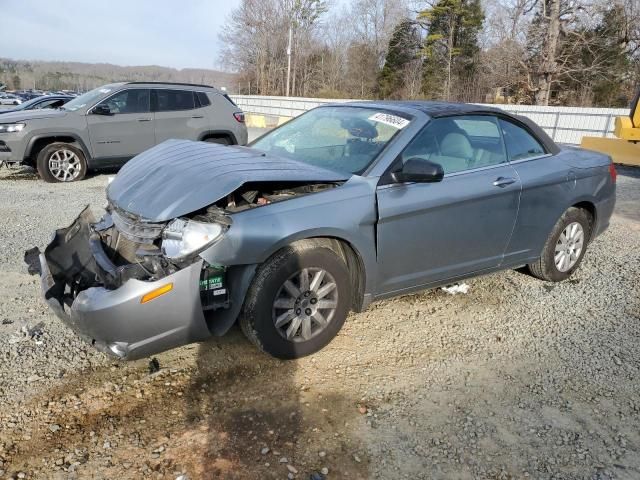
<point>171,33</point>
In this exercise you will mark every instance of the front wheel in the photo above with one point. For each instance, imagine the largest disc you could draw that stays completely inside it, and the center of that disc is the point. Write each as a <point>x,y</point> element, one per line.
<point>298,301</point>
<point>565,247</point>
<point>61,162</point>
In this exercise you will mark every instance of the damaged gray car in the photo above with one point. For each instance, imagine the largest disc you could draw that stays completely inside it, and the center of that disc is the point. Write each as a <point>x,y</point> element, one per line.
<point>339,207</point>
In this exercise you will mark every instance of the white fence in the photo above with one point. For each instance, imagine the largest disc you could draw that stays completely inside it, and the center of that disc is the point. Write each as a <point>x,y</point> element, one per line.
<point>563,124</point>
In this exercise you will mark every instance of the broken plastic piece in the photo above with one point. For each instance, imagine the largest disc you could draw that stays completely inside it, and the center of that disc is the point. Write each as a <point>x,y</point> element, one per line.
<point>456,288</point>
<point>154,365</point>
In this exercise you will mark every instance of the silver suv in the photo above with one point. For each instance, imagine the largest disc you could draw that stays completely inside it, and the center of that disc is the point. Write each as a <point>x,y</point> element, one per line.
<point>107,126</point>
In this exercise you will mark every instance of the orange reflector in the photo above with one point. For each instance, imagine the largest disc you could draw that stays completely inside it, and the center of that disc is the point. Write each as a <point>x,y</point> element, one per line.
<point>157,292</point>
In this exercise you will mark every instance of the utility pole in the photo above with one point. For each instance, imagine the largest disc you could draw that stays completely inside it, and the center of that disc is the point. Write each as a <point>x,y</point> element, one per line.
<point>289,59</point>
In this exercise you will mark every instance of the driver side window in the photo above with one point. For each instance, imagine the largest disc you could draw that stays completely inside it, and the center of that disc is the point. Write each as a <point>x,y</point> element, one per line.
<point>459,143</point>
<point>49,104</point>
<point>129,101</point>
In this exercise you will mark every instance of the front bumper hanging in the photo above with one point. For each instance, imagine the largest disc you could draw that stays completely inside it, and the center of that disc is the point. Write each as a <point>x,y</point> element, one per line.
<point>77,279</point>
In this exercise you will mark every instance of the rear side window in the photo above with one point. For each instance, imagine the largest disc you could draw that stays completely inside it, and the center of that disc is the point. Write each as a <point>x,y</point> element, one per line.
<point>203,98</point>
<point>229,99</point>
<point>520,143</point>
<point>171,100</point>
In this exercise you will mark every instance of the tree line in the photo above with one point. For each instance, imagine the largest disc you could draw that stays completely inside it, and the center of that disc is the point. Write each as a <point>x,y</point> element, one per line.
<point>79,76</point>
<point>563,52</point>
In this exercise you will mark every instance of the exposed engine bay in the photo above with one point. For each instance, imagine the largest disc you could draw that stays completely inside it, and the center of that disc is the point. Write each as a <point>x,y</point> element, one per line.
<point>253,195</point>
<point>130,240</point>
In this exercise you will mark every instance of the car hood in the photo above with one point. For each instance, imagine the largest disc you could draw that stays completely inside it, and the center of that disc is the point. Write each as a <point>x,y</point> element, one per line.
<point>22,115</point>
<point>178,177</point>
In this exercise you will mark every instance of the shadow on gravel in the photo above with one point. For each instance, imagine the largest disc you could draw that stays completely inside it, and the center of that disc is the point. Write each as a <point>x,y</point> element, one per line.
<point>254,420</point>
<point>18,173</point>
<point>210,412</point>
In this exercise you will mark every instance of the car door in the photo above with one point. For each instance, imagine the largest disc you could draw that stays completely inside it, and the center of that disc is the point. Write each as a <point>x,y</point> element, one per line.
<point>547,183</point>
<point>177,115</point>
<point>431,232</point>
<point>125,128</point>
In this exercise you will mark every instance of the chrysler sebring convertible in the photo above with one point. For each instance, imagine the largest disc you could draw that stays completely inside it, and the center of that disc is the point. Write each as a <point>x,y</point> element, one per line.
<point>345,205</point>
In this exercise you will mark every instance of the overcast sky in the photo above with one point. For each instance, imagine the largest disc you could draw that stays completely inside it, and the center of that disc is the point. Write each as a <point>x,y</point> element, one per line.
<point>173,33</point>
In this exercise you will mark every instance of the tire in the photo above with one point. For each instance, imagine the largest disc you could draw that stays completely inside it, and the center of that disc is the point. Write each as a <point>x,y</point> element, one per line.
<point>218,140</point>
<point>261,310</point>
<point>58,153</point>
<point>546,268</point>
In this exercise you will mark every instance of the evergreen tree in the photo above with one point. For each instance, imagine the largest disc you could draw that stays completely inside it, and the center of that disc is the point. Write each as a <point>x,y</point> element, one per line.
<point>403,48</point>
<point>574,63</point>
<point>451,46</point>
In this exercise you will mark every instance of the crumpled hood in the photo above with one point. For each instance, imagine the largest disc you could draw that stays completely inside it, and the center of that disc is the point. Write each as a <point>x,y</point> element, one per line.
<point>23,115</point>
<point>178,177</point>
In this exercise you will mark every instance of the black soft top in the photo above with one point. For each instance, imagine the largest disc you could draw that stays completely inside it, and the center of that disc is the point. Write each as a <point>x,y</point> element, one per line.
<point>444,109</point>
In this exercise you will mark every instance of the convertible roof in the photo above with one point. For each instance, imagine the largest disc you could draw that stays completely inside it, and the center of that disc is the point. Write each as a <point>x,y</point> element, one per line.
<point>433,109</point>
<point>443,109</point>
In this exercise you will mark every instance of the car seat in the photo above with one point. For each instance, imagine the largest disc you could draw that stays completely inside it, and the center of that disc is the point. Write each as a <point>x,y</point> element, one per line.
<point>456,153</point>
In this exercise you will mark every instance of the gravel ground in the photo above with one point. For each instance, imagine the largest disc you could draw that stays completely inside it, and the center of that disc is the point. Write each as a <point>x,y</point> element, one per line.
<point>515,379</point>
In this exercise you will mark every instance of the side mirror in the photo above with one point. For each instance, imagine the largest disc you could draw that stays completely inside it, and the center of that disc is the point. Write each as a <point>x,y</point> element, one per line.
<point>419,170</point>
<point>101,109</point>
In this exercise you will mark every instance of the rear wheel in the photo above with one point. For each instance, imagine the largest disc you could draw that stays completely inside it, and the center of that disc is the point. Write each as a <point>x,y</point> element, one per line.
<point>565,247</point>
<point>298,301</point>
<point>61,162</point>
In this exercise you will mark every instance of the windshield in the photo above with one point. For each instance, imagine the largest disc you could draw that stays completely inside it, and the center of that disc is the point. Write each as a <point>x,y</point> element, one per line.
<point>343,139</point>
<point>88,98</point>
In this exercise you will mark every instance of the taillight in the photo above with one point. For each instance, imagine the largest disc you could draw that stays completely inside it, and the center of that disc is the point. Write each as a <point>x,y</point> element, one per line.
<point>612,172</point>
<point>239,116</point>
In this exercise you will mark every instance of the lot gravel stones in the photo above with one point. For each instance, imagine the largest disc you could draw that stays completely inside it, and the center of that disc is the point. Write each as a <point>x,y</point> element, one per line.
<point>515,379</point>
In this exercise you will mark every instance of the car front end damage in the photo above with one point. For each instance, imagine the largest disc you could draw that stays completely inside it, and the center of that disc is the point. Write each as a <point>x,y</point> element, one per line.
<point>111,282</point>
<point>161,270</point>
<point>133,287</point>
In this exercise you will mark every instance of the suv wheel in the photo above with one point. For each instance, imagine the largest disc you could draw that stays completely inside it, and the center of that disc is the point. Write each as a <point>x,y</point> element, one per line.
<point>298,300</point>
<point>61,162</point>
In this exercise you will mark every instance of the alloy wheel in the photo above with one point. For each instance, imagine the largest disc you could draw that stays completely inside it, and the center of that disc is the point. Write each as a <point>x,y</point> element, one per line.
<point>305,304</point>
<point>569,246</point>
<point>65,165</point>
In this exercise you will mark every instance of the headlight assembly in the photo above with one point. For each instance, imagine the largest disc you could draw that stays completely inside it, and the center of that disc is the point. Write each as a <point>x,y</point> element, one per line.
<point>11,127</point>
<point>181,237</point>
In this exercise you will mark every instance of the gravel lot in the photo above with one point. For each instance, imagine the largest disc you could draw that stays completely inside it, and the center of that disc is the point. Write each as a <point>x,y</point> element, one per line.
<point>515,379</point>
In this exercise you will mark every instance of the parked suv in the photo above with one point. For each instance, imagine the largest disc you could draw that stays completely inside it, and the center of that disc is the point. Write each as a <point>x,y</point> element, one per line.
<point>107,126</point>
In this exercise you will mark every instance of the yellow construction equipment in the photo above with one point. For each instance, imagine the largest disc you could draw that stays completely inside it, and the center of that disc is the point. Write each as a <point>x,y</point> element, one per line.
<point>625,148</point>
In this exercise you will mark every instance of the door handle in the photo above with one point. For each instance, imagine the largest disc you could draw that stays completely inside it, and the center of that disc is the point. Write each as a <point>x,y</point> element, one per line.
<point>144,119</point>
<point>503,181</point>
<point>198,116</point>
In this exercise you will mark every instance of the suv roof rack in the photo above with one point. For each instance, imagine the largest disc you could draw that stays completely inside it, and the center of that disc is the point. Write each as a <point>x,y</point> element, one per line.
<point>170,83</point>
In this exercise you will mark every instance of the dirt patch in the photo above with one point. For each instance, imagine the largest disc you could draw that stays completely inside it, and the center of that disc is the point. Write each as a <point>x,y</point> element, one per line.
<point>215,418</point>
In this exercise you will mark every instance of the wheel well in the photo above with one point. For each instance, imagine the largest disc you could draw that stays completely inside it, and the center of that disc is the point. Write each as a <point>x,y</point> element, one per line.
<point>219,135</point>
<point>590,208</point>
<point>40,143</point>
<point>354,263</point>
